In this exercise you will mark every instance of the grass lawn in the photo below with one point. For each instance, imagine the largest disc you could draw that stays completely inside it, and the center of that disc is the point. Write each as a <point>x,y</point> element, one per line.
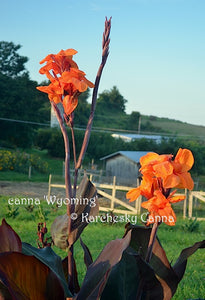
<point>97,235</point>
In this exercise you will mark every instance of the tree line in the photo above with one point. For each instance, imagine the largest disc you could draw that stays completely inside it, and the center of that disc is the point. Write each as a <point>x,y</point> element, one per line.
<point>19,100</point>
<point>102,144</point>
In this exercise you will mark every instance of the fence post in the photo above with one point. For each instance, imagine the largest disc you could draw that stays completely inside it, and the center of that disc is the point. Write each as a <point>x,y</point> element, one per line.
<point>29,172</point>
<point>190,204</point>
<point>138,202</point>
<point>185,204</point>
<point>63,169</point>
<point>49,186</point>
<point>113,193</point>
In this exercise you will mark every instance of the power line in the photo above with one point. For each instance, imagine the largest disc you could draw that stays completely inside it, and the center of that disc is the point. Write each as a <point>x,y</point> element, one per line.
<point>111,130</point>
<point>25,122</point>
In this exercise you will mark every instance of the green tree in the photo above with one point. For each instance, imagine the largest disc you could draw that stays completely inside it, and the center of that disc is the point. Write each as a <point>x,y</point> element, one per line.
<point>133,122</point>
<point>19,99</point>
<point>11,63</point>
<point>111,100</point>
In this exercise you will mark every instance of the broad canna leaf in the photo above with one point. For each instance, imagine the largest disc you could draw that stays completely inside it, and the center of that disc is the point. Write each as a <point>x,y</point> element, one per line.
<point>98,272</point>
<point>88,260</point>
<point>86,206</point>
<point>126,277</point>
<point>139,238</point>
<point>27,278</point>
<point>51,259</point>
<point>89,208</point>
<point>59,231</point>
<point>156,280</point>
<point>9,239</point>
<point>180,265</point>
<point>4,292</point>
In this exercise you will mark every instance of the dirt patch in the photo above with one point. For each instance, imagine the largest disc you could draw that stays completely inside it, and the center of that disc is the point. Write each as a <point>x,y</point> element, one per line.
<point>28,189</point>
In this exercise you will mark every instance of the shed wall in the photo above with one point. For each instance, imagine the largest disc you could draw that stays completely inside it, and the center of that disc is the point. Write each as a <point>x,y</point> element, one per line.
<point>125,170</point>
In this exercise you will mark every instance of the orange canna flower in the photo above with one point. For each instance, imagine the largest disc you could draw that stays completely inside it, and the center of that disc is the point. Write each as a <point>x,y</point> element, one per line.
<point>174,173</point>
<point>58,63</point>
<point>160,173</point>
<point>67,81</point>
<point>160,208</point>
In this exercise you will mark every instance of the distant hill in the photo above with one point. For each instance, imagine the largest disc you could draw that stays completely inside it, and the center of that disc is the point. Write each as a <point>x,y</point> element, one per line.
<point>149,125</point>
<point>175,127</point>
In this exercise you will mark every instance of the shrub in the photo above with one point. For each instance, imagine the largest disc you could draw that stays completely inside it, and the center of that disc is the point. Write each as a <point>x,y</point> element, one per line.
<point>20,161</point>
<point>101,143</point>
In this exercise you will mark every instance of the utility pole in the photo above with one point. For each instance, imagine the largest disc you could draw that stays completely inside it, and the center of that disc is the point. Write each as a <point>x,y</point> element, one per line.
<point>139,125</point>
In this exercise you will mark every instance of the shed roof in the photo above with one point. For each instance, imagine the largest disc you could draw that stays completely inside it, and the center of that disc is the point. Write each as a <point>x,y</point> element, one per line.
<point>133,136</point>
<point>132,155</point>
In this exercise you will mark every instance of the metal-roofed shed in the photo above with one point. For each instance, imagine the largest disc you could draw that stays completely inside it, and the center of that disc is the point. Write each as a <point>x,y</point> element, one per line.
<point>124,165</point>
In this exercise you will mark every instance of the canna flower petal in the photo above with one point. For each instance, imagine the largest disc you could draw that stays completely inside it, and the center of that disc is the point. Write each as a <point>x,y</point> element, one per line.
<point>186,181</point>
<point>148,158</point>
<point>185,159</point>
<point>54,91</point>
<point>152,163</point>
<point>133,194</point>
<point>69,104</point>
<point>148,185</point>
<point>177,199</point>
<point>180,178</point>
<point>62,53</point>
<point>171,181</point>
<point>163,169</point>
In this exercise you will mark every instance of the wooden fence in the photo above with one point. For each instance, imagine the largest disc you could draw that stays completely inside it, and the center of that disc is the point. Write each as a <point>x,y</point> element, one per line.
<point>127,208</point>
<point>192,196</point>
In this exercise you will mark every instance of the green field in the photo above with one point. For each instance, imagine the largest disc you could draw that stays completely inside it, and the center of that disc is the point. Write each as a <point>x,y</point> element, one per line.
<point>97,235</point>
<point>177,128</point>
<point>151,125</point>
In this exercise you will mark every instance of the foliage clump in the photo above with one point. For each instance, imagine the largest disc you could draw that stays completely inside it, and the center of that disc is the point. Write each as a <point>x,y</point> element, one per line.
<point>21,161</point>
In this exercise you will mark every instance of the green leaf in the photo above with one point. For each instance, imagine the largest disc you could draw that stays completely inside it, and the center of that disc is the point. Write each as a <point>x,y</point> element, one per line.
<point>9,239</point>
<point>27,278</point>
<point>49,258</point>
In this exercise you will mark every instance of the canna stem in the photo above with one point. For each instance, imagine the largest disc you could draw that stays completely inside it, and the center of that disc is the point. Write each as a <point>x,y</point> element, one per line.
<point>148,256</point>
<point>105,52</point>
<point>70,207</point>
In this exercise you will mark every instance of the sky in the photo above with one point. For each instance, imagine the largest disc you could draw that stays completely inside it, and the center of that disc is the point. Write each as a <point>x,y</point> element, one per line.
<point>157,48</point>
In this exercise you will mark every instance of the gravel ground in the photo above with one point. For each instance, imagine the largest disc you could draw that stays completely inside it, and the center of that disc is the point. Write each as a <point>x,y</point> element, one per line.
<point>28,189</point>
